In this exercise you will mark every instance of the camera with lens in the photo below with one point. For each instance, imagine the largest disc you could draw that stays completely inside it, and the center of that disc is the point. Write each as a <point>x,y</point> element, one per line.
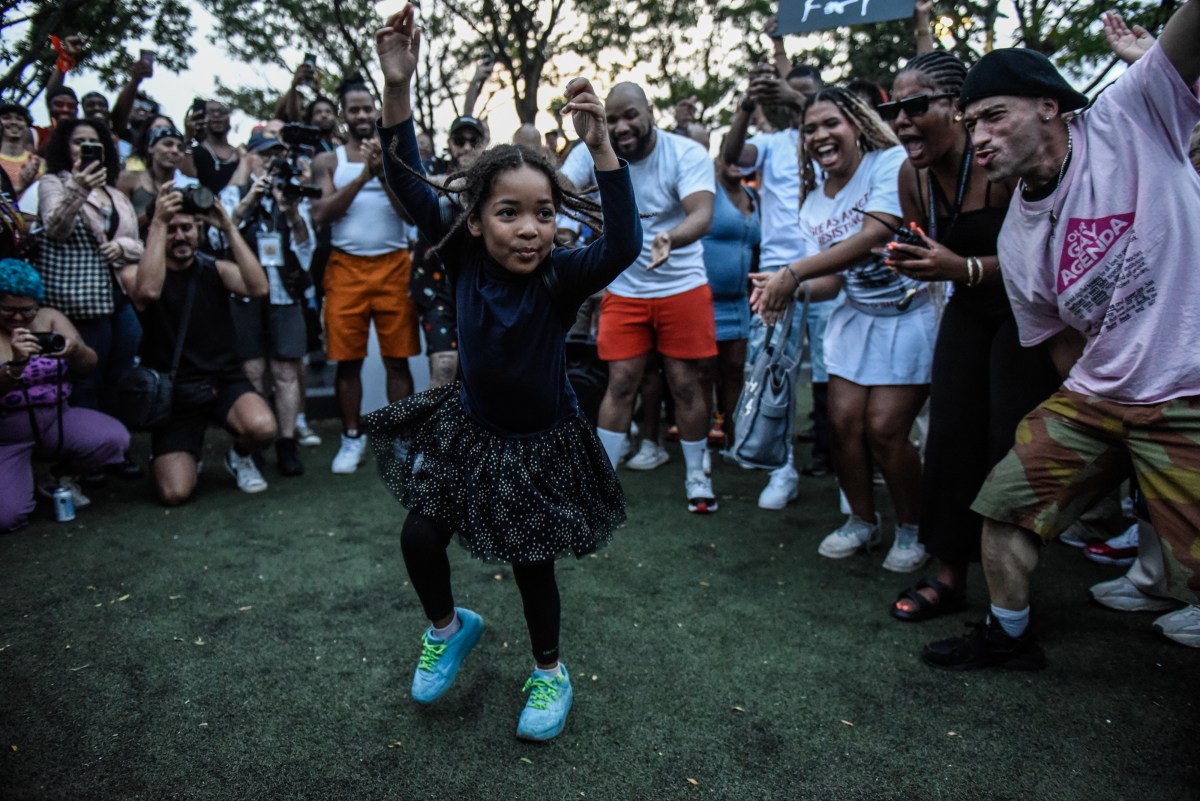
<point>49,341</point>
<point>302,142</point>
<point>197,199</point>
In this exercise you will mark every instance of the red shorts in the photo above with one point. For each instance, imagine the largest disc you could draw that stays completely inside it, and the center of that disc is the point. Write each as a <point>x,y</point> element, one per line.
<point>679,326</point>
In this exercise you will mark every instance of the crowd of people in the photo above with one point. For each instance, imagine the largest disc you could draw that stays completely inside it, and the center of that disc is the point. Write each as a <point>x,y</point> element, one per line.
<point>979,253</point>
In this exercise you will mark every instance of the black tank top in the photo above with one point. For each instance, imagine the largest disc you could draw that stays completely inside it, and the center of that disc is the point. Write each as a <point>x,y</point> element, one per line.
<point>973,233</point>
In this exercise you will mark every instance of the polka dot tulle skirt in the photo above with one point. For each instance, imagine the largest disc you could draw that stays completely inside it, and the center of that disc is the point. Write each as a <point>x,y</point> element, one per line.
<point>507,500</point>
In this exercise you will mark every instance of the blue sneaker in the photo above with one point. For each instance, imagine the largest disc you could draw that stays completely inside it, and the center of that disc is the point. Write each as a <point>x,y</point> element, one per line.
<point>545,712</point>
<point>440,661</point>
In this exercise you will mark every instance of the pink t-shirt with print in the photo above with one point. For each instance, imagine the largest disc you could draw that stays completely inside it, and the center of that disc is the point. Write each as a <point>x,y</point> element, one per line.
<point>1121,265</point>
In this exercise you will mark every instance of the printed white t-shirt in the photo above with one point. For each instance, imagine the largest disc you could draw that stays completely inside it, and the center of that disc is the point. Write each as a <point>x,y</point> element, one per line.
<point>778,164</point>
<point>825,221</point>
<point>675,168</point>
<point>1120,265</point>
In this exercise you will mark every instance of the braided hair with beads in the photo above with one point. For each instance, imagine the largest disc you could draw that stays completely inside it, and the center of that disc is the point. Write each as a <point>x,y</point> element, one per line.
<point>873,132</point>
<point>468,189</point>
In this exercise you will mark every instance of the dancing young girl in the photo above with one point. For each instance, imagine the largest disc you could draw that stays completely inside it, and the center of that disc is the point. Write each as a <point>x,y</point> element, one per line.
<point>503,459</point>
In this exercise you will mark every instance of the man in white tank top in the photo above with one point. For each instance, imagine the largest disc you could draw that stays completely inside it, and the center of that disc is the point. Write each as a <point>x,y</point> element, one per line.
<point>369,268</point>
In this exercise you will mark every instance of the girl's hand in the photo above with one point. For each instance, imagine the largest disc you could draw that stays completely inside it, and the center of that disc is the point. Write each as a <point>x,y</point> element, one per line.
<point>90,177</point>
<point>771,294</point>
<point>930,263</point>
<point>24,345</point>
<point>587,113</point>
<point>111,252</point>
<point>398,45</point>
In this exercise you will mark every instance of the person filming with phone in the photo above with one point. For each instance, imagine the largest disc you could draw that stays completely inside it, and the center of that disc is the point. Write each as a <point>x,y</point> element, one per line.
<point>89,233</point>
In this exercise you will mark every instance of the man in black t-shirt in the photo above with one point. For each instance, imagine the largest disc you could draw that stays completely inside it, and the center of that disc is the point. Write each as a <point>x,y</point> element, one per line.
<point>210,386</point>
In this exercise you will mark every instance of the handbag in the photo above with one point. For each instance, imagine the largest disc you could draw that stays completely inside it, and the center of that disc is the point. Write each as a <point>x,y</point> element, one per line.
<point>144,395</point>
<point>763,418</point>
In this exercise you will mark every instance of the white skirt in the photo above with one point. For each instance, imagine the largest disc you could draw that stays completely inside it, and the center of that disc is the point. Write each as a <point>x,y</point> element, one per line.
<point>881,350</point>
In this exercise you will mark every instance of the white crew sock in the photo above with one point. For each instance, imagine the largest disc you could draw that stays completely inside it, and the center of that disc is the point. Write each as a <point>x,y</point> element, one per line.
<point>693,453</point>
<point>907,534</point>
<point>301,421</point>
<point>449,630</point>
<point>549,673</point>
<point>1013,623</point>
<point>612,442</point>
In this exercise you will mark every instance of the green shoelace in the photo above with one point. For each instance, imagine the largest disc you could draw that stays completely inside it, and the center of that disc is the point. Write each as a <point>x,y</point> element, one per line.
<point>544,692</point>
<point>431,652</point>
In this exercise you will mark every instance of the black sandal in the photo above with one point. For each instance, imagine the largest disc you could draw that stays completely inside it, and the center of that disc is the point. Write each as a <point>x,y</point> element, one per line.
<point>948,600</point>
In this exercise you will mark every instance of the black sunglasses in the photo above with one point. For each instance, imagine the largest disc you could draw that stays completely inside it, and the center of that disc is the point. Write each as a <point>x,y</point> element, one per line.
<point>912,106</point>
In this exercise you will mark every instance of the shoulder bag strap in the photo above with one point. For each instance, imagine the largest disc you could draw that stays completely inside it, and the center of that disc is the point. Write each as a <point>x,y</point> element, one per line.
<point>185,319</point>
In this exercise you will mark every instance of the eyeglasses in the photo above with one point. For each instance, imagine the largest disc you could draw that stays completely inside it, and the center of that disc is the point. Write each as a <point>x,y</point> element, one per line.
<point>912,106</point>
<point>467,141</point>
<point>20,311</point>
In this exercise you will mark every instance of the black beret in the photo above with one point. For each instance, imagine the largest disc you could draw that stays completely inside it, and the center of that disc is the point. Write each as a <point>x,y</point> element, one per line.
<point>1021,72</point>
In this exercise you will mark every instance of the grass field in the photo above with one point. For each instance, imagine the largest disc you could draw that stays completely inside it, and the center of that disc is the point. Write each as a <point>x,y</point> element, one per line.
<point>261,647</point>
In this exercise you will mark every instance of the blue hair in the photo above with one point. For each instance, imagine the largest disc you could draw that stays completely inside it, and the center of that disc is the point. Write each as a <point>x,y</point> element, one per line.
<point>20,279</point>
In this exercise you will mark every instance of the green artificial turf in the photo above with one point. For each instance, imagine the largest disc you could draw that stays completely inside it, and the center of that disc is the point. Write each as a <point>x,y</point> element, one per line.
<point>261,647</point>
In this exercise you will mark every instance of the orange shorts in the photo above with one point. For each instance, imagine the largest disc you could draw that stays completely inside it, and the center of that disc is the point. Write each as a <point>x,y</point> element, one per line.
<point>678,326</point>
<point>359,289</point>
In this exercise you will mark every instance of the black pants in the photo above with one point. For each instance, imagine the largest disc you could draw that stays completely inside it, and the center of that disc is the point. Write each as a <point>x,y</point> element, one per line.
<point>984,382</point>
<point>424,543</point>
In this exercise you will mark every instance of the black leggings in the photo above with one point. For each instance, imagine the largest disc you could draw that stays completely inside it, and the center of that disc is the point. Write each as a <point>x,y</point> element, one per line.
<point>424,543</point>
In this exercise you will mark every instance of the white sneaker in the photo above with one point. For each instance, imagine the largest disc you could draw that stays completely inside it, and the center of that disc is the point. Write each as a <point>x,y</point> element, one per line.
<point>307,437</point>
<point>245,471</point>
<point>350,455</point>
<point>1124,596</point>
<point>781,489</point>
<point>906,554</point>
<point>1182,626</point>
<point>649,456</point>
<point>701,498</point>
<point>855,535</point>
<point>48,485</point>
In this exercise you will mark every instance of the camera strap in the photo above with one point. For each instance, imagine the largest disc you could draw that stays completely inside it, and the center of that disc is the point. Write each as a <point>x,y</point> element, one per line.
<point>964,177</point>
<point>185,319</point>
<point>59,375</point>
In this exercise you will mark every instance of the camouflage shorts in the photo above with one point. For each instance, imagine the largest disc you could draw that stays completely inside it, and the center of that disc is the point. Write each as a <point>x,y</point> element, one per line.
<point>1072,449</point>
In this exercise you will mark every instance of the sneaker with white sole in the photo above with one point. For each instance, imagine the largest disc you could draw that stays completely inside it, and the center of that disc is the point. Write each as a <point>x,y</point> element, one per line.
<point>440,660</point>
<point>350,455</point>
<point>1123,595</point>
<point>243,469</point>
<point>854,535</point>
<point>47,486</point>
<point>781,489</point>
<point>1120,550</point>
<point>307,437</point>
<point>546,709</point>
<point>906,553</point>
<point>649,456</point>
<point>701,498</point>
<point>1182,626</point>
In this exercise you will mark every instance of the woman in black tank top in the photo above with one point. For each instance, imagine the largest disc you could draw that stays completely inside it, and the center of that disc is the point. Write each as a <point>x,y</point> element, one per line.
<point>984,382</point>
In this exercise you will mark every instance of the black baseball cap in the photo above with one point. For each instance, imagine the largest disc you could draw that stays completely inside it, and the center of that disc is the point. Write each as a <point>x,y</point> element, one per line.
<point>12,107</point>
<point>1021,72</point>
<point>465,121</point>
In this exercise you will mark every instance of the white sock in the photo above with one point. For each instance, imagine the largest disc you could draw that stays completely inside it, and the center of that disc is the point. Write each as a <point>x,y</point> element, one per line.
<point>549,673</point>
<point>1013,623</point>
<point>301,421</point>
<point>907,534</point>
<point>612,442</point>
<point>693,453</point>
<point>449,630</point>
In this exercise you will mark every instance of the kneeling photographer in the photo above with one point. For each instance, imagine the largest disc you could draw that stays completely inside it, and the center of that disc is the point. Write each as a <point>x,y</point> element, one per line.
<point>270,331</point>
<point>182,297</point>
<point>40,350</point>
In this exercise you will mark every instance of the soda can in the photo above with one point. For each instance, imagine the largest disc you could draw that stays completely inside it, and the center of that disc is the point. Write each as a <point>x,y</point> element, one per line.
<point>64,505</point>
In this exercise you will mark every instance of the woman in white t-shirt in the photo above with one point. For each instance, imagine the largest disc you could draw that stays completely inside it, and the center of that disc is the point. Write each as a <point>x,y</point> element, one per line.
<point>879,343</point>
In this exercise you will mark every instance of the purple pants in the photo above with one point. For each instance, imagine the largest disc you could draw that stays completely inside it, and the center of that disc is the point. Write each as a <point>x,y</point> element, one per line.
<point>90,440</point>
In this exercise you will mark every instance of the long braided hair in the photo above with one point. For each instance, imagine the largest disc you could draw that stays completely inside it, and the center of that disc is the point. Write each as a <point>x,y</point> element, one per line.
<point>873,132</point>
<point>943,71</point>
<point>468,189</point>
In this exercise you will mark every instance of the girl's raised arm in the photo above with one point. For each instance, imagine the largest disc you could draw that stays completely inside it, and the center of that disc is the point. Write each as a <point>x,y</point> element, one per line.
<point>398,46</point>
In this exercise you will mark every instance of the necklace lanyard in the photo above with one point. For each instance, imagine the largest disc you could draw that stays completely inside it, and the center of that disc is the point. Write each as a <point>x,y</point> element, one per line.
<point>964,175</point>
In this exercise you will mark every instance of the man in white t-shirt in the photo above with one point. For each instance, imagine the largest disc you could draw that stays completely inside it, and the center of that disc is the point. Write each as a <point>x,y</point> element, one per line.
<point>1098,256</point>
<point>774,157</point>
<point>662,303</point>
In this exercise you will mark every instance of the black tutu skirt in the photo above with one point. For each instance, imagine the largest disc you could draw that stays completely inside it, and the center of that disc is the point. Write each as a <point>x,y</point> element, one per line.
<point>513,500</point>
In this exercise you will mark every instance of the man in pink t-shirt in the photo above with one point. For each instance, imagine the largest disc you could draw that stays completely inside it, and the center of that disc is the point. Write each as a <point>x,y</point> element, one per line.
<point>1098,256</point>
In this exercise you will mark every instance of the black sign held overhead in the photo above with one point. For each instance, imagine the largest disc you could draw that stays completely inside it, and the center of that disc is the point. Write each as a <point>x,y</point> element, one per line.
<point>801,16</point>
